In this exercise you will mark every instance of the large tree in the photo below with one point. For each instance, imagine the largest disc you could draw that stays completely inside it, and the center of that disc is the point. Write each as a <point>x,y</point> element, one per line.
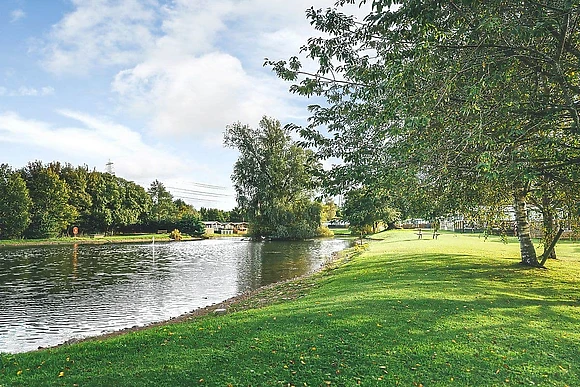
<point>77,179</point>
<point>163,209</point>
<point>51,213</point>
<point>136,204</point>
<point>15,203</point>
<point>274,179</point>
<point>116,203</point>
<point>467,104</point>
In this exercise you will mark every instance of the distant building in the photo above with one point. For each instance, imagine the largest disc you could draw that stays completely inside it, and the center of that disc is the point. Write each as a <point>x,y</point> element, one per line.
<point>211,226</point>
<point>226,229</point>
<point>240,228</point>
<point>230,228</point>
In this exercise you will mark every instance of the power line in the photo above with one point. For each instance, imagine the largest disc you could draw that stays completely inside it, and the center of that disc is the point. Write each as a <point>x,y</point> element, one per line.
<point>202,193</point>
<point>196,199</point>
<point>204,185</point>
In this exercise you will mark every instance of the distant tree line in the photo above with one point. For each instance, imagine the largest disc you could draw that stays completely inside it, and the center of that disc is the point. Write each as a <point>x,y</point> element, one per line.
<point>49,200</point>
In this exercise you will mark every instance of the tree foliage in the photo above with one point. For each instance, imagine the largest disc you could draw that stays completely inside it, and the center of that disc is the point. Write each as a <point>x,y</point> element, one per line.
<point>15,203</point>
<point>214,214</point>
<point>329,210</point>
<point>190,224</point>
<point>366,209</point>
<point>163,206</point>
<point>462,104</point>
<point>48,200</point>
<point>51,213</point>
<point>274,179</point>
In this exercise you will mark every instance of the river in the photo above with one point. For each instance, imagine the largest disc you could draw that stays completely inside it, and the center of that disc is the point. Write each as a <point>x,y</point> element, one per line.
<point>52,294</point>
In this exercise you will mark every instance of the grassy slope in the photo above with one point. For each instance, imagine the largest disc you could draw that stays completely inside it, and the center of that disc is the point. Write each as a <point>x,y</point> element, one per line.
<point>454,311</point>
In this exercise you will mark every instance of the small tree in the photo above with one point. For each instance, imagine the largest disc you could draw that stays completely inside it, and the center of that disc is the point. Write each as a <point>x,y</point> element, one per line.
<point>175,235</point>
<point>366,209</point>
<point>191,225</point>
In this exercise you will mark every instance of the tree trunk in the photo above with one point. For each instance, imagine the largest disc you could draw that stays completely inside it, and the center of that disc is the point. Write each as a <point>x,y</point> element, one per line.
<point>549,226</point>
<point>550,249</point>
<point>527,250</point>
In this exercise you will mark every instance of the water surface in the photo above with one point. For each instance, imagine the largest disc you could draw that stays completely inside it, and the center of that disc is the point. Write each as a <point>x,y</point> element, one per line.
<point>55,293</point>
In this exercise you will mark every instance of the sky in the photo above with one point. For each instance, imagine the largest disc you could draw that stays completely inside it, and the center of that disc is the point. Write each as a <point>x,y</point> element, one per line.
<point>147,85</point>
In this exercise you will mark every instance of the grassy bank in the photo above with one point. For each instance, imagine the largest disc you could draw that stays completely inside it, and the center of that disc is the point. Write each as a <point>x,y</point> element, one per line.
<point>98,239</point>
<point>454,311</point>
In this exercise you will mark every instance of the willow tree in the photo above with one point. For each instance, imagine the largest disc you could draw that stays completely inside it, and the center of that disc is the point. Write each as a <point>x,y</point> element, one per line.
<point>274,179</point>
<point>472,104</point>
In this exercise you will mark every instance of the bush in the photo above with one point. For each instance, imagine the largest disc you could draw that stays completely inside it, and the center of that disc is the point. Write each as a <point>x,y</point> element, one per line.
<point>175,235</point>
<point>324,231</point>
<point>191,225</point>
<point>361,230</point>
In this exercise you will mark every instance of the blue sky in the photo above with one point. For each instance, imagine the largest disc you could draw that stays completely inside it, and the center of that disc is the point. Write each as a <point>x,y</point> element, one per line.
<point>147,84</point>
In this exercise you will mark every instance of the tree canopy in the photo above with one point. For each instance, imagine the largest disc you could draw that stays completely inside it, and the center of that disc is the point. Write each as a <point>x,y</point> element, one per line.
<point>274,179</point>
<point>467,104</point>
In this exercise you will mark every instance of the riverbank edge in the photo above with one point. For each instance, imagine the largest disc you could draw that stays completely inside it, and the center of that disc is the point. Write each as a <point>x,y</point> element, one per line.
<point>71,241</point>
<point>92,241</point>
<point>253,299</point>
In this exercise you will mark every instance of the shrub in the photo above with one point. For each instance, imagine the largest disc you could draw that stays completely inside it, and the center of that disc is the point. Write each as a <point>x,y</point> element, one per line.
<point>175,235</point>
<point>324,231</point>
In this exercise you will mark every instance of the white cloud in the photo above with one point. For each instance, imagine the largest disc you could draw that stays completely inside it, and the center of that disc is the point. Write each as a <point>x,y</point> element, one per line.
<point>205,71</point>
<point>26,91</point>
<point>47,90</point>
<point>101,32</point>
<point>191,67</point>
<point>93,141</point>
<point>196,95</point>
<point>17,15</point>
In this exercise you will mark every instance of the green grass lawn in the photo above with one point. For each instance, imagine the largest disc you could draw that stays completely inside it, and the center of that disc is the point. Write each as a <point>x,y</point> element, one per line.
<point>457,311</point>
<point>342,232</point>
